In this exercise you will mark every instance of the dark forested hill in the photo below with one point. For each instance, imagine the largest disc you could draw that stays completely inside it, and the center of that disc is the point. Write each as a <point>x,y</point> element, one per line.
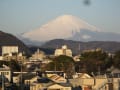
<point>109,46</point>
<point>7,39</point>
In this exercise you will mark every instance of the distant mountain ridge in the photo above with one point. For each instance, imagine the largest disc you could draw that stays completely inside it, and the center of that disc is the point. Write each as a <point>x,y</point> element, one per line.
<point>76,46</point>
<point>50,46</point>
<point>7,39</point>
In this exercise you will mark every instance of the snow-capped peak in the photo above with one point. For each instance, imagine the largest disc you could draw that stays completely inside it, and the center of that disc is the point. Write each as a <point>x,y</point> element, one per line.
<point>63,27</point>
<point>75,22</point>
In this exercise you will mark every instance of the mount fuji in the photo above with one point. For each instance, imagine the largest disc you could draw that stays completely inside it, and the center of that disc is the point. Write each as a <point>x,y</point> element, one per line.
<point>69,27</point>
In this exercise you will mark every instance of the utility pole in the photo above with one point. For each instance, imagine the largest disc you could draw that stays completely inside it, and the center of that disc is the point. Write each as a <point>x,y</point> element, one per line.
<point>21,78</point>
<point>3,87</point>
<point>55,66</point>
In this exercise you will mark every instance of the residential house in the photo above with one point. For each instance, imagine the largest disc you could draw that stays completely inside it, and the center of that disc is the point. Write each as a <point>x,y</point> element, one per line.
<point>56,86</point>
<point>90,83</point>
<point>49,86</point>
<point>57,78</point>
<point>6,72</point>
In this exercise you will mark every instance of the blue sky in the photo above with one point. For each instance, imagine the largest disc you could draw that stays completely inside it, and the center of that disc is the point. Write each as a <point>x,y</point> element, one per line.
<point>19,16</point>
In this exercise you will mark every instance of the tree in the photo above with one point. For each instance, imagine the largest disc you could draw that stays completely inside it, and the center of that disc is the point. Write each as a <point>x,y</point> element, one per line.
<point>62,63</point>
<point>95,61</point>
<point>13,64</point>
<point>116,60</point>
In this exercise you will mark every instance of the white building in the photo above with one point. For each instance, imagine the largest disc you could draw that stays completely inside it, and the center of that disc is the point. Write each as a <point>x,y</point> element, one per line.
<point>1,57</point>
<point>38,55</point>
<point>16,79</point>
<point>6,72</point>
<point>9,49</point>
<point>63,51</point>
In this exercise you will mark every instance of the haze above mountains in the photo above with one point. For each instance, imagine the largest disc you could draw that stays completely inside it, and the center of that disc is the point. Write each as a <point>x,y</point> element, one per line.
<point>68,27</point>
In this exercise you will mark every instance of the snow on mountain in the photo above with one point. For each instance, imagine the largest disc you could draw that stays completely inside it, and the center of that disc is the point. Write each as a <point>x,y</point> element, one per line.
<point>63,27</point>
<point>71,28</point>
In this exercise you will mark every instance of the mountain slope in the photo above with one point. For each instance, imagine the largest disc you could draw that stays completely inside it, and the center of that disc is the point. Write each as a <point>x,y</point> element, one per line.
<point>62,27</point>
<point>68,27</point>
<point>10,40</point>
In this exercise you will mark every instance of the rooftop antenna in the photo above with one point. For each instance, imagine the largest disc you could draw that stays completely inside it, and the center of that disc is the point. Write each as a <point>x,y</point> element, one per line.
<point>79,46</point>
